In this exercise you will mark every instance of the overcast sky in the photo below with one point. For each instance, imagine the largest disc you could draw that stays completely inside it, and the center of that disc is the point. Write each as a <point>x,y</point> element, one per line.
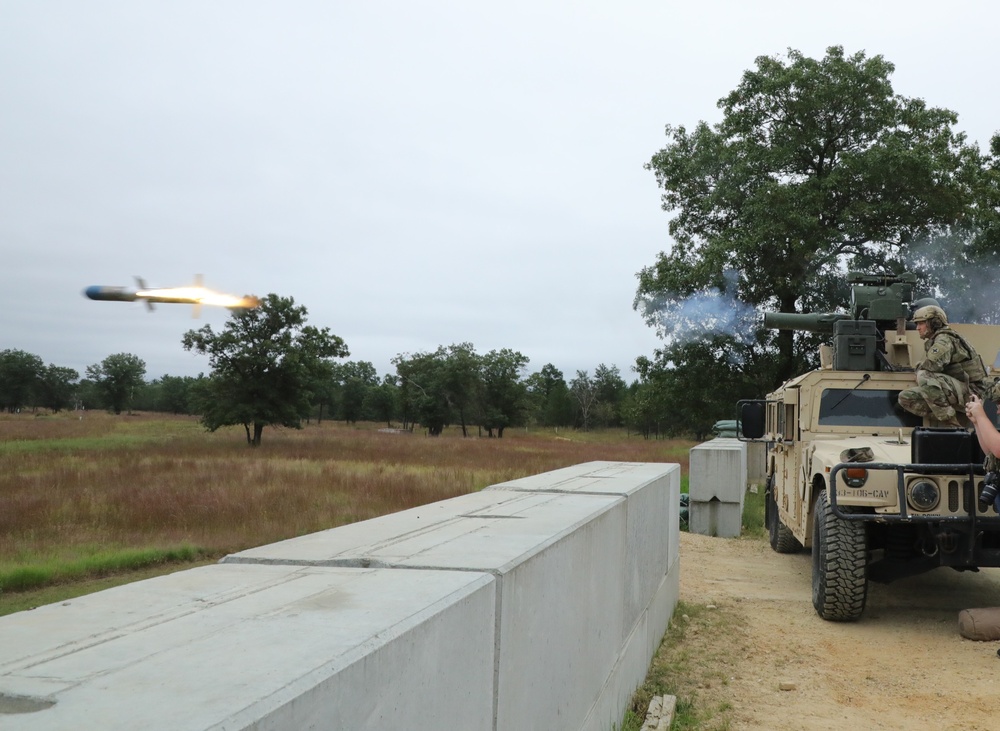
<point>415,173</point>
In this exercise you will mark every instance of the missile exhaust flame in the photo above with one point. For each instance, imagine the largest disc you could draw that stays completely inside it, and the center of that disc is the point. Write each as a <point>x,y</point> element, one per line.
<point>196,295</point>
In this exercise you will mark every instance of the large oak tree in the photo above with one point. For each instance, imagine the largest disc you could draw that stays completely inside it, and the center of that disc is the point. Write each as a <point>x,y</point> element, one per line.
<point>265,363</point>
<point>816,166</point>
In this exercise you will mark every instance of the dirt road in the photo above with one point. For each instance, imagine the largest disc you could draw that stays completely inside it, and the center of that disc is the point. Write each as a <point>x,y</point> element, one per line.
<point>903,666</point>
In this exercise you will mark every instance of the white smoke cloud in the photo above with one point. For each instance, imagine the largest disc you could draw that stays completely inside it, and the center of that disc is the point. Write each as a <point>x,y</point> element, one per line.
<point>966,288</point>
<point>702,315</point>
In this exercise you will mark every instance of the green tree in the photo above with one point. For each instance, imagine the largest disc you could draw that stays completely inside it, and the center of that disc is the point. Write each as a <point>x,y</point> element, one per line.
<point>411,394</point>
<point>57,387</point>
<point>439,388</point>
<point>325,393</point>
<point>693,397</point>
<point>642,410</point>
<point>20,376</point>
<point>550,397</point>
<point>382,401</point>
<point>611,390</point>
<point>88,396</point>
<point>462,383</point>
<point>175,394</point>
<point>265,363</point>
<point>353,381</point>
<point>117,379</point>
<point>504,393</point>
<point>817,165</point>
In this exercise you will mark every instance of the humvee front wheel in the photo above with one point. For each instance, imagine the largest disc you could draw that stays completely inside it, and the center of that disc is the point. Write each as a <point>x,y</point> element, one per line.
<point>839,564</point>
<point>781,537</point>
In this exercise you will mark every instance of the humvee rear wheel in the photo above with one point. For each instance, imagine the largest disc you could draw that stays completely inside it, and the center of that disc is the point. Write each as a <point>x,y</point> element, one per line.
<point>839,559</point>
<point>782,539</point>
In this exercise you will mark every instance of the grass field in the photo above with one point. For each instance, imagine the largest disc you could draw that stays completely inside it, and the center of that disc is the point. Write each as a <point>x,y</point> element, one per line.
<point>90,501</point>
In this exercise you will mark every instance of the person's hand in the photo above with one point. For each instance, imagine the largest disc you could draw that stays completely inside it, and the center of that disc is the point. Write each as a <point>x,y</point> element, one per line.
<point>973,407</point>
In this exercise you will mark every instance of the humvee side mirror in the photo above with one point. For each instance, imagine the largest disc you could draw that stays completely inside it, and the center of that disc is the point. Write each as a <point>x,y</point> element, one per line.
<point>751,422</point>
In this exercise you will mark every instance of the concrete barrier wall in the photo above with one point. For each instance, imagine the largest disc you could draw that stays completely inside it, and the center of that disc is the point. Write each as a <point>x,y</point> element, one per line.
<point>717,484</point>
<point>533,604</point>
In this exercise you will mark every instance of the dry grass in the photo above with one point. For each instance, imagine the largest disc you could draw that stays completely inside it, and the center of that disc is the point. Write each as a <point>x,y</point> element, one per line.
<point>102,485</point>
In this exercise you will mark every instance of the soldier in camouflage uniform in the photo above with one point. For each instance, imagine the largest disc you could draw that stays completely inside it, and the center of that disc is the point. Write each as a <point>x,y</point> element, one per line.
<point>950,372</point>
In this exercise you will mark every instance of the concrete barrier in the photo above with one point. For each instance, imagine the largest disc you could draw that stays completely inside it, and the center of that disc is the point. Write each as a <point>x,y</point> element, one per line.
<point>533,604</point>
<point>717,483</point>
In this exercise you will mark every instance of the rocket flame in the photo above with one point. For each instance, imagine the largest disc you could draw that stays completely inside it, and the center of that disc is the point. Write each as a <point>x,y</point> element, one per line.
<point>197,295</point>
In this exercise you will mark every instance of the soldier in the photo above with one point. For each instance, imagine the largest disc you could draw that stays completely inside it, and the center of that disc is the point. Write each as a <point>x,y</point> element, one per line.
<point>950,372</point>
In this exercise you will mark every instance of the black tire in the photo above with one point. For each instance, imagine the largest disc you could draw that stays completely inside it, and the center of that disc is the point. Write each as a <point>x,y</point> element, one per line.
<point>781,537</point>
<point>839,564</point>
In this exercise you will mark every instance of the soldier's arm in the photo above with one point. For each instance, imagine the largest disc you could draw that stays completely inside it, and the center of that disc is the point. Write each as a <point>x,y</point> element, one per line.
<point>938,355</point>
<point>986,433</point>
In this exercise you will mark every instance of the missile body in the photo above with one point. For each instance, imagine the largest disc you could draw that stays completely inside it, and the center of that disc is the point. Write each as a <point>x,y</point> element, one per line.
<point>110,294</point>
<point>128,294</point>
<point>196,295</point>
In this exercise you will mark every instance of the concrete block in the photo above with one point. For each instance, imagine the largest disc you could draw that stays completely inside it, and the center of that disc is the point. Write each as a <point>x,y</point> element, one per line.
<point>602,477</point>
<point>262,647</point>
<point>638,650</point>
<point>579,555</point>
<point>652,491</point>
<point>715,518</point>
<point>557,559</point>
<point>718,470</point>
<point>652,566</point>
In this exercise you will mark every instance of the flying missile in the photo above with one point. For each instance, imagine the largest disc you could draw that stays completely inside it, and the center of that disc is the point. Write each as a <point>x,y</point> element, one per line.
<point>196,295</point>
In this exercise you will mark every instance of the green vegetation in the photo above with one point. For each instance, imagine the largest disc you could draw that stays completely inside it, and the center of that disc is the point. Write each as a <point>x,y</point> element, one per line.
<point>100,563</point>
<point>267,367</point>
<point>116,379</point>
<point>679,670</point>
<point>753,514</point>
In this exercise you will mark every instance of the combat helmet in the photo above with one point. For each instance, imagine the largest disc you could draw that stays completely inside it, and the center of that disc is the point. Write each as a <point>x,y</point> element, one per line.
<point>931,313</point>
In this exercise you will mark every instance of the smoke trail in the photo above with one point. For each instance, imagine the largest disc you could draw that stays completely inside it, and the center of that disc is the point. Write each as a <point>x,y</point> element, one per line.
<point>700,316</point>
<point>964,283</point>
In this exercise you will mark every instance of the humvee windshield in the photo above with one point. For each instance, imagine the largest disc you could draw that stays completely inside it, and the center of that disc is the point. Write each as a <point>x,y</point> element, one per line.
<point>854,407</point>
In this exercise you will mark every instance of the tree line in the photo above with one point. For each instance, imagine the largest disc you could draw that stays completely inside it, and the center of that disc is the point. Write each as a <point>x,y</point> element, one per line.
<point>268,367</point>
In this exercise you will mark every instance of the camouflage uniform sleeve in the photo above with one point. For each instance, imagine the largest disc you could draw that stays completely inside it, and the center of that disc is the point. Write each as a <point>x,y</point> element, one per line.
<point>939,354</point>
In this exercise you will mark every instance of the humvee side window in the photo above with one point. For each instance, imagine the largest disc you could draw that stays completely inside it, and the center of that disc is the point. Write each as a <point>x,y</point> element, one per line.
<point>871,407</point>
<point>788,423</point>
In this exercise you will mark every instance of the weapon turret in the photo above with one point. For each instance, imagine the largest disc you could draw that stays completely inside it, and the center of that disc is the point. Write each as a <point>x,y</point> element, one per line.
<point>880,305</point>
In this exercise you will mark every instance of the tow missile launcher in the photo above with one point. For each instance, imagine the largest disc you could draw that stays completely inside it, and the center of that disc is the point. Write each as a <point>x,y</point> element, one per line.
<point>874,491</point>
<point>873,335</point>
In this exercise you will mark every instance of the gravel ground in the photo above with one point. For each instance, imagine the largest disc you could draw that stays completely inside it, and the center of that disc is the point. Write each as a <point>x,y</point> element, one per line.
<point>759,657</point>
